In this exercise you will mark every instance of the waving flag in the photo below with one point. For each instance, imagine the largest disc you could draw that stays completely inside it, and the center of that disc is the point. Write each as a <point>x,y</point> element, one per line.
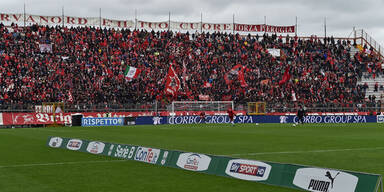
<point>131,73</point>
<point>237,72</point>
<point>172,84</point>
<point>286,76</point>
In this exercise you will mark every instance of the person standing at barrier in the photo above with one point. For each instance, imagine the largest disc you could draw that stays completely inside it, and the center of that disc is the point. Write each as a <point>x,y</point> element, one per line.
<point>301,114</point>
<point>231,116</point>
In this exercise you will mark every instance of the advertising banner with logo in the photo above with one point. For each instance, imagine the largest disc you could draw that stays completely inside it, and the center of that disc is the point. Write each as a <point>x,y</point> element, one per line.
<point>258,119</point>
<point>210,119</point>
<point>147,118</point>
<point>102,121</point>
<point>330,119</point>
<point>193,161</point>
<point>61,118</point>
<point>380,119</point>
<point>279,174</point>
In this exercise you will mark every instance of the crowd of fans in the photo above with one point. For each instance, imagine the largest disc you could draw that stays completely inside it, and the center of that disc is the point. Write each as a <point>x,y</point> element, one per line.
<point>86,66</point>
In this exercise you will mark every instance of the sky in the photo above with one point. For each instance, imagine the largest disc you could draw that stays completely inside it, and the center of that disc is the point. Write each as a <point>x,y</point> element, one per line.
<point>340,15</point>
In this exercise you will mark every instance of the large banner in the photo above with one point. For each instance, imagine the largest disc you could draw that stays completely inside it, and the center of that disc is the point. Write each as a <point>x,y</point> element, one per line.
<point>264,28</point>
<point>66,20</point>
<point>102,121</point>
<point>9,18</point>
<point>279,174</point>
<point>147,118</point>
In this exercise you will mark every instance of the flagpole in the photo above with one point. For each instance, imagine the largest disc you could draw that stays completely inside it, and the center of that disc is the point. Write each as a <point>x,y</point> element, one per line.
<point>325,27</point>
<point>24,15</point>
<point>169,21</point>
<point>100,17</point>
<point>201,22</point>
<point>296,27</point>
<point>62,12</point>
<point>233,23</point>
<point>135,19</point>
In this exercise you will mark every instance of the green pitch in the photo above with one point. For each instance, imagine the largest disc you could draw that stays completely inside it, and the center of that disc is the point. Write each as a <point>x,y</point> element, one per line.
<point>27,164</point>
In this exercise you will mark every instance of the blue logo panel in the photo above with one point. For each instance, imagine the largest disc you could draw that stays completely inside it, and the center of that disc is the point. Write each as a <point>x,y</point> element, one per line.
<point>102,121</point>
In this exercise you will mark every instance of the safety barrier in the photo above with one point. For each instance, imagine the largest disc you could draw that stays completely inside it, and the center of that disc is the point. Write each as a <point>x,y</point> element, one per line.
<point>279,174</point>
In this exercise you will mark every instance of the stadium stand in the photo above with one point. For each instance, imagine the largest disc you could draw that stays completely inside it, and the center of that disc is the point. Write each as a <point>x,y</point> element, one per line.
<point>86,66</point>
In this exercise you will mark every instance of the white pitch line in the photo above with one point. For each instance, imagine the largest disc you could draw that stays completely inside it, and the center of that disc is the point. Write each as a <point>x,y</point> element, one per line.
<point>313,151</point>
<point>58,163</point>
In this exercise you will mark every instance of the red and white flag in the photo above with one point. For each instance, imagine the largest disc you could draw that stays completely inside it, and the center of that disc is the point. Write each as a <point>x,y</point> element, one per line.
<point>70,97</point>
<point>172,84</point>
<point>237,72</point>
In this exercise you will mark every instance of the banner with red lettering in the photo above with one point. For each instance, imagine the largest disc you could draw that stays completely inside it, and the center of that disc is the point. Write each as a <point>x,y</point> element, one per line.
<point>264,28</point>
<point>8,18</point>
<point>66,20</point>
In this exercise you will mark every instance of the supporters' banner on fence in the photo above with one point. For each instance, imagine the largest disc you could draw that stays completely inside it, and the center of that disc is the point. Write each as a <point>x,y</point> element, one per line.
<point>279,174</point>
<point>66,20</point>
<point>148,25</point>
<point>264,28</point>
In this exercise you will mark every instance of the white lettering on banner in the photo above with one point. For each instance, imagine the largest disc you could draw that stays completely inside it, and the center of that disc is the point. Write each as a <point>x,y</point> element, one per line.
<point>122,151</point>
<point>325,180</point>
<point>46,118</point>
<point>95,147</point>
<point>245,119</point>
<point>164,160</point>
<point>131,152</point>
<point>193,161</point>
<point>208,119</point>
<point>111,149</point>
<point>55,142</point>
<point>333,119</point>
<point>147,155</point>
<point>283,119</point>
<point>1,119</point>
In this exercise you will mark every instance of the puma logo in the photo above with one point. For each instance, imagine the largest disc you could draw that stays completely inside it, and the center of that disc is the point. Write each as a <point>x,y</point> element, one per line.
<point>328,174</point>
